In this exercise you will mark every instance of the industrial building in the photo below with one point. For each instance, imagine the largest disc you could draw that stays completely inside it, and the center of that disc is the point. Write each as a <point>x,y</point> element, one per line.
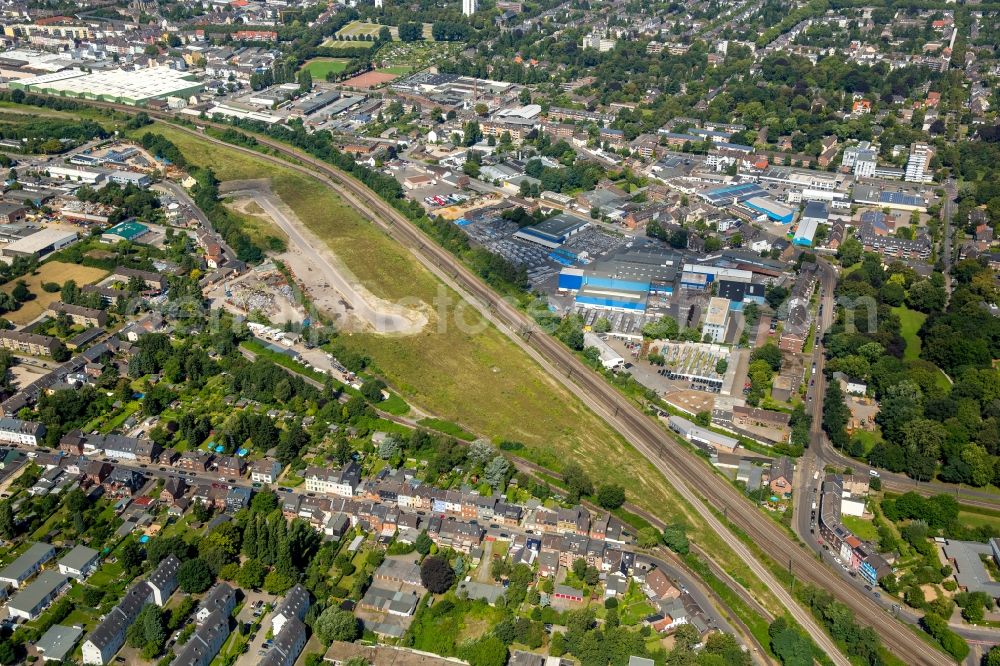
<point>610,359</point>
<point>701,276</point>
<point>116,85</point>
<point>732,194</point>
<point>815,213</point>
<point>553,232</point>
<point>124,231</point>
<point>774,210</point>
<point>741,292</point>
<point>874,196</point>
<point>703,438</point>
<point>716,319</point>
<point>622,283</point>
<point>40,243</point>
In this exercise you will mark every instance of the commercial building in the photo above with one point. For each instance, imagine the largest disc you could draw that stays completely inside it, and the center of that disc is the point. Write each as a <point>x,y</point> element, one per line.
<point>815,213</point>
<point>553,232</point>
<point>716,319</point>
<point>610,359</point>
<point>16,431</point>
<point>36,597</point>
<point>79,562</point>
<point>40,243</point>
<point>124,231</point>
<point>701,437</point>
<point>874,196</point>
<point>27,564</point>
<point>115,85</point>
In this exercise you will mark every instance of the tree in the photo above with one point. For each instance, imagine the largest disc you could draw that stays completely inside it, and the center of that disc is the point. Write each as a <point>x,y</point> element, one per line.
<point>850,252</point>
<point>194,576</point>
<point>675,538</point>
<point>251,575</point>
<point>8,528</point>
<point>487,651</point>
<point>436,574</point>
<point>577,481</point>
<point>481,452</point>
<point>704,419</point>
<point>335,624</point>
<point>389,448</point>
<point>423,543</point>
<point>131,557</point>
<point>648,537</point>
<point>496,472</point>
<point>610,496</point>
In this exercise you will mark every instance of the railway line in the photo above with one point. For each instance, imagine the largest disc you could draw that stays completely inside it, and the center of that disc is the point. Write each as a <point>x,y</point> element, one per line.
<point>709,494</point>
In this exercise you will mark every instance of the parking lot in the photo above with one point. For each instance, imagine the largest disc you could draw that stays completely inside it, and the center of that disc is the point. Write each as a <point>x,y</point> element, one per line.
<point>256,608</point>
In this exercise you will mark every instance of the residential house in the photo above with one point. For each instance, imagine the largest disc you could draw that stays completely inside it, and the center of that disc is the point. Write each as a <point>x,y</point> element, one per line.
<point>265,470</point>
<point>294,605</point>
<point>79,562</point>
<point>27,564</point>
<point>222,598</point>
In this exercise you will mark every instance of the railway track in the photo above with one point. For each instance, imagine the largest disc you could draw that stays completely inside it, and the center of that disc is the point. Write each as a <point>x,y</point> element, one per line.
<point>708,493</point>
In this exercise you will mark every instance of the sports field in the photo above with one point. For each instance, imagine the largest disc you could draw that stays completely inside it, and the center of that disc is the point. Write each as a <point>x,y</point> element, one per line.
<point>320,67</point>
<point>54,271</point>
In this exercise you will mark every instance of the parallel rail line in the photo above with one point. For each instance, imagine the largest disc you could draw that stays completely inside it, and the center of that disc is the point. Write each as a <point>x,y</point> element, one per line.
<point>680,466</point>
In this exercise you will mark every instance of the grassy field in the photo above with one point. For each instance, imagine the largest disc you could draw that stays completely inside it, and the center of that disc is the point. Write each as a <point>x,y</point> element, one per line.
<point>910,322</point>
<point>335,44</point>
<point>476,378</point>
<point>54,271</point>
<point>975,519</point>
<point>320,67</point>
<point>863,529</point>
<point>356,29</point>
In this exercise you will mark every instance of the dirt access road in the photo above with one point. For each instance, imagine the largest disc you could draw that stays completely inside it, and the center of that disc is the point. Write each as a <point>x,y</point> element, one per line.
<point>331,286</point>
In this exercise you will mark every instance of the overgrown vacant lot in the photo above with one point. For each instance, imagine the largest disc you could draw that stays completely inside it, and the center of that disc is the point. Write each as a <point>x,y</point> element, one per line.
<point>479,379</point>
<point>53,271</point>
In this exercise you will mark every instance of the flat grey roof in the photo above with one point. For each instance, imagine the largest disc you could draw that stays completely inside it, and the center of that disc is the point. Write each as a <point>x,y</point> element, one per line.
<point>78,558</point>
<point>58,641</point>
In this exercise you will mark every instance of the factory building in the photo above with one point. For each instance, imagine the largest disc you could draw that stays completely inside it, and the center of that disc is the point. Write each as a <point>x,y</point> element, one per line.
<point>553,232</point>
<point>622,283</point>
<point>115,85</point>
<point>814,214</point>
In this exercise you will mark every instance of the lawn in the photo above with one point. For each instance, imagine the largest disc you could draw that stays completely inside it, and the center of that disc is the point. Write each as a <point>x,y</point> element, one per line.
<point>53,271</point>
<point>358,29</point>
<point>863,529</point>
<point>971,519</point>
<point>910,322</point>
<point>472,376</point>
<point>334,44</point>
<point>320,67</point>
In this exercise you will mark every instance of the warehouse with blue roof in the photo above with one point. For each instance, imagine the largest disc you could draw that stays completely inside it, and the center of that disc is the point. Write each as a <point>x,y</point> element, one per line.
<point>814,214</point>
<point>776,212</point>
<point>622,283</point>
